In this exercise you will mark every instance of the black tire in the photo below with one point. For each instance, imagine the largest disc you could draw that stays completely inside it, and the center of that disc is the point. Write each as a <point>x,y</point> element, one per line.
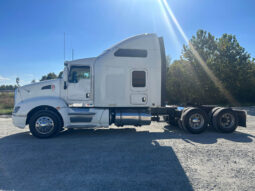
<point>211,115</point>
<point>184,112</point>
<point>44,115</point>
<point>214,110</point>
<point>186,109</point>
<point>187,123</point>
<point>222,117</point>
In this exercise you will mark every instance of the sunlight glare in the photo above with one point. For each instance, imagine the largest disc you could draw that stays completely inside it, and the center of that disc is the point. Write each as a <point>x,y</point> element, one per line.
<point>215,80</point>
<point>170,26</point>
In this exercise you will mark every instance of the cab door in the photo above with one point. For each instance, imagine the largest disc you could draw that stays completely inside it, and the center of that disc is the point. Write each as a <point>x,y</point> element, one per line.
<point>79,85</point>
<point>139,93</point>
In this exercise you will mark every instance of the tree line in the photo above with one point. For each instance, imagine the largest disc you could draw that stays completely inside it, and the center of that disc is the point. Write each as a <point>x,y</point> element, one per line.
<point>8,87</point>
<point>212,71</point>
<point>48,76</point>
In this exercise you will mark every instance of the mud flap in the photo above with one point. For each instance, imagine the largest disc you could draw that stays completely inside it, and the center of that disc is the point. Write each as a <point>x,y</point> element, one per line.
<point>241,116</point>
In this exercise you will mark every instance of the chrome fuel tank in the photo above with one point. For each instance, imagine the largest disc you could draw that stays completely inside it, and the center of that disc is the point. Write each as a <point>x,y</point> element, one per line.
<point>132,117</point>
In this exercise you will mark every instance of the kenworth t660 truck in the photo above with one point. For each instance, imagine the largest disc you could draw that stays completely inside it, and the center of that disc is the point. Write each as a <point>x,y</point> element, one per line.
<point>125,85</point>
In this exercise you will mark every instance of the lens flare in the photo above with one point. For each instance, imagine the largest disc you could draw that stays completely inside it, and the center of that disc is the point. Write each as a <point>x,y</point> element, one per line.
<point>215,80</point>
<point>169,26</point>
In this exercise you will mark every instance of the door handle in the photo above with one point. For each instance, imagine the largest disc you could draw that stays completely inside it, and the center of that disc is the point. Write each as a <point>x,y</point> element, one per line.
<point>143,99</point>
<point>87,95</point>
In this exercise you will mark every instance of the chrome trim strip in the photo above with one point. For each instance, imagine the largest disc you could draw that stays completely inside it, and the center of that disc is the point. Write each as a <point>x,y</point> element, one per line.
<point>81,126</point>
<point>87,113</point>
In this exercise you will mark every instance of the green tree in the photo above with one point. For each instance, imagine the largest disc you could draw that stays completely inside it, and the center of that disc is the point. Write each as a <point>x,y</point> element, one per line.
<point>60,74</point>
<point>204,46</point>
<point>189,82</point>
<point>235,68</point>
<point>8,87</point>
<point>49,76</point>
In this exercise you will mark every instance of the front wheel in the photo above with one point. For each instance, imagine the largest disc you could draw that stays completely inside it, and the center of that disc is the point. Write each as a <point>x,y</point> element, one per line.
<point>44,124</point>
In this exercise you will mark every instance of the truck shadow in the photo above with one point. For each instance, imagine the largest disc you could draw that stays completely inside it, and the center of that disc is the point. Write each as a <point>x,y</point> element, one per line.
<point>210,136</point>
<point>99,159</point>
<point>103,159</point>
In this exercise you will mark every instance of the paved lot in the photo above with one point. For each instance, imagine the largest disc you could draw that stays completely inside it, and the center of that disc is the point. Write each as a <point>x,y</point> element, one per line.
<point>157,157</point>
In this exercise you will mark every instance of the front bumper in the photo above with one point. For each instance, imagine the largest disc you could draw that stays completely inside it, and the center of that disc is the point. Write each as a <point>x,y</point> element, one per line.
<point>19,120</point>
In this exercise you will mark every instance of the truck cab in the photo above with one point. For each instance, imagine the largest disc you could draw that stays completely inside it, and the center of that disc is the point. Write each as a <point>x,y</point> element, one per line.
<point>118,86</point>
<point>125,85</point>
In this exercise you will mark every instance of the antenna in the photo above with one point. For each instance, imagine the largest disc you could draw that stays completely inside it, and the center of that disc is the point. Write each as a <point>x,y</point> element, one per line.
<point>72,53</point>
<point>64,46</point>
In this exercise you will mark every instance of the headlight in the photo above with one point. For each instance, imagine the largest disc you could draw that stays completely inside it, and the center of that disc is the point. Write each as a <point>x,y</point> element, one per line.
<point>16,109</point>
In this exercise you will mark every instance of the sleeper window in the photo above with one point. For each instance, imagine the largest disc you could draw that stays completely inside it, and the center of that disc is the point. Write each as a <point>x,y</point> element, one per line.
<point>79,72</point>
<point>138,79</point>
<point>131,53</point>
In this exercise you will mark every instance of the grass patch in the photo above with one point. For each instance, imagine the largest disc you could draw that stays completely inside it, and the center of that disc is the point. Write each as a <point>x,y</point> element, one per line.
<point>6,111</point>
<point>6,102</point>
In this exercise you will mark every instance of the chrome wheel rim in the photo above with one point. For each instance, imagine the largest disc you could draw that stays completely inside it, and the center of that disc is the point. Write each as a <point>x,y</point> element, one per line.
<point>196,121</point>
<point>227,120</point>
<point>44,125</point>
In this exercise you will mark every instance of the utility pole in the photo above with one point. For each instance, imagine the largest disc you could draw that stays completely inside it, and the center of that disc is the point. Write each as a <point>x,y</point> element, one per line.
<point>64,46</point>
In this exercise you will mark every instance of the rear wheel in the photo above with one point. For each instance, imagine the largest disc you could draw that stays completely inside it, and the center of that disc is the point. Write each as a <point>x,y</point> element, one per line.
<point>194,120</point>
<point>225,120</point>
<point>44,124</point>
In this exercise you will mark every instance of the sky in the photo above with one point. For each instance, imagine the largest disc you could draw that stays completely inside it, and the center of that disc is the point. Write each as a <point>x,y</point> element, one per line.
<point>32,32</point>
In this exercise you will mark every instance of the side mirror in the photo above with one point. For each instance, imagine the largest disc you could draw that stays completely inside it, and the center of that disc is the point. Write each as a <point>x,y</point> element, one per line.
<point>65,77</point>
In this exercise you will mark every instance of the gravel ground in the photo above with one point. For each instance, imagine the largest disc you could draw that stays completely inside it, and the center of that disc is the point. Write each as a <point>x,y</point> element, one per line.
<point>156,157</point>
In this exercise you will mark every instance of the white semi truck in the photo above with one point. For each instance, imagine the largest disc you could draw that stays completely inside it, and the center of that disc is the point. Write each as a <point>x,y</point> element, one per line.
<point>125,85</point>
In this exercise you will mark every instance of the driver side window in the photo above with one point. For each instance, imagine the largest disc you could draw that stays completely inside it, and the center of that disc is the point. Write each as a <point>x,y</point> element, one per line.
<point>78,72</point>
